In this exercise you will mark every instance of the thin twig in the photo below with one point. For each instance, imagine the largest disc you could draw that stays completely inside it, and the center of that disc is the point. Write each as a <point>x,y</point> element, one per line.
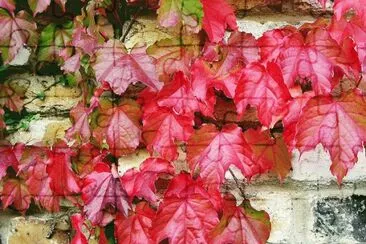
<point>129,27</point>
<point>47,88</point>
<point>237,183</point>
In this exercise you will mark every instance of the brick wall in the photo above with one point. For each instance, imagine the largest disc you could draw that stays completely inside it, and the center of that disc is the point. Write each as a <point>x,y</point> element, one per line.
<point>308,207</point>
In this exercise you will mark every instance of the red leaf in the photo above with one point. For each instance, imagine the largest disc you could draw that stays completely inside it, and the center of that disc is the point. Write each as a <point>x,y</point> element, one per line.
<point>142,183</point>
<point>119,125</point>
<point>178,95</point>
<point>10,98</point>
<point>9,156</point>
<point>114,65</point>
<point>8,4</point>
<point>16,192</point>
<point>241,224</point>
<point>338,123</point>
<point>294,110</point>
<point>135,229</point>
<point>343,6</point>
<point>217,17</point>
<point>77,222</point>
<point>81,129</point>
<point>38,6</point>
<point>63,182</point>
<point>72,64</point>
<point>244,46</point>
<point>186,214</point>
<point>270,153</point>
<point>305,62</point>
<point>88,156</point>
<point>213,151</point>
<point>16,31</point>
<point>264,88</point>
<point>83,40</point>
<point>102,189</point>
<point>162,128</point>
<point>174,54</point>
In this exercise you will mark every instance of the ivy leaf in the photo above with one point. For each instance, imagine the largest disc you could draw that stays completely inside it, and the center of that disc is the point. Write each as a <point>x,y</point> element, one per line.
<point>213,151</point>
<point>178,95</point>
<point>9,156</point>
<point>119,125</point>
<point>102,189</point>
<point>162,128</point>
<point>187,214</point>
<point>339,124</point>
<point>55,42</point>
<point>175,12</point>
<point>243,46</point>
<point>241,224</point>
<point>8,4</point>
<point>299,60</point>
<point>268,151</point>
<point>38,6</point>
<point>16,192</point>
<point>77,222</point>
<point>264,88</point>
<point>343,6</point>
<point>217,17</point>
<point>81,129</point>
<point>86,159</point>
<point>72,64</point>
<point>114,65</point>
<point>2,123</point>
<point>16,31</point>
<point>10,97</point>
<point>142,183</point>
<point>174,54</point>
<point>63,182</point>
<point>136,227</point>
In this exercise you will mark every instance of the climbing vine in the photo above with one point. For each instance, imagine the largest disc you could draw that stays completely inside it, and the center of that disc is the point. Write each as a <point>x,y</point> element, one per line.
<point>212,95</point>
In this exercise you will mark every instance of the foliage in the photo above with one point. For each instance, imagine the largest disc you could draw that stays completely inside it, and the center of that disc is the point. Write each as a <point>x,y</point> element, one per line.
<point>300,86</point>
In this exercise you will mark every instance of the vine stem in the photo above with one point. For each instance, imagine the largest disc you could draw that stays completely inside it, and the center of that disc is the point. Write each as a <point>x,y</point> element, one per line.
<point>237,183</point>
<point>47,89</point>
<point>130,24</point>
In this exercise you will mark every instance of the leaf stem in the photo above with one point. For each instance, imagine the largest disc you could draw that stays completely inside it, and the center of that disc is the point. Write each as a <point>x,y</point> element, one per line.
<point>237,183</point>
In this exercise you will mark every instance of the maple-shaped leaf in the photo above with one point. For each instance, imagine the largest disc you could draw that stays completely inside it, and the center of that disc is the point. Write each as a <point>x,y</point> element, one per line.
<point>178,95</point>
<point>294,109</point>
<point>355,28</point>
<point>217,17</point>
<point>244,46</point>
<point>77,222</point>
<point>343,6</point>
<point>83,40</point>
<point>222,75</point>
<point>38,6</point>
<point>213,151</point>
<point>339,124</point>
<point>16,31</point>
<point>64,181</point>
<point>117,67</point>
<point>102,189</point>
<point>135,228</point>
<point>241,224</point>
<point>118,124</point>
<point>344,55</point>
<point>15,192</point>
<point>10,97</point>
<point>174,54</point>
<point>86,159</point>
<point>264,88</point>
<point>305,62</point>
<point>272,42</point>
<point>162,129</point>
<point>142,183</point>
<point>81,129</point>
<point>72,64</point>
<point>54,39</point>
<point>188,13</point>
<point>271,153</point>
<point>187,214</point>
<point>9,156</point>
<point>8,4</point>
